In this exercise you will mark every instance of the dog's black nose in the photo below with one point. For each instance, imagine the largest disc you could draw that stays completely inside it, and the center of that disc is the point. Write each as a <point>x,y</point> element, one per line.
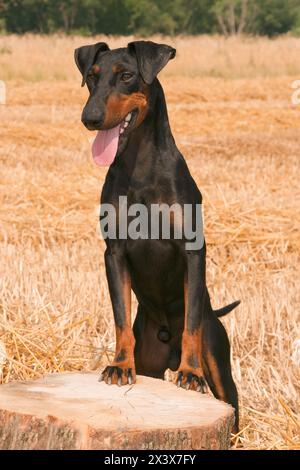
<point>92,124</point>
<point>92,117</point>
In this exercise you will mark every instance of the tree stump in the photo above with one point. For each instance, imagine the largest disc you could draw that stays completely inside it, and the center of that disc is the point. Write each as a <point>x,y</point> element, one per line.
<point>75,411</point>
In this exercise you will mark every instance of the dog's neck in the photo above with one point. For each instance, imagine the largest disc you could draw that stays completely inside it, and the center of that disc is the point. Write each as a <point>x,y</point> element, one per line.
<point>152,143</point>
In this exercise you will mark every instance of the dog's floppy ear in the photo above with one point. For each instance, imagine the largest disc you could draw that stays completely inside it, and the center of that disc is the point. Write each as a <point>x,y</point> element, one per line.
<point>85,57</point>
<point>151,57</point>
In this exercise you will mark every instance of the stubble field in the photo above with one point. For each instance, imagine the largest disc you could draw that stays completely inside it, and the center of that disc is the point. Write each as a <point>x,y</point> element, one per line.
<point>230,109</point>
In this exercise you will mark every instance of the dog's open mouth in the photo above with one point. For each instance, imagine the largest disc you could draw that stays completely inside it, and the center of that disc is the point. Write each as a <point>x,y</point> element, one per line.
<point>105,145</point>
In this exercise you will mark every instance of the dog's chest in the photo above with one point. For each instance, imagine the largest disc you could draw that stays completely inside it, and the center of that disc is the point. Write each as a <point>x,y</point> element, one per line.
<point>159,190</point>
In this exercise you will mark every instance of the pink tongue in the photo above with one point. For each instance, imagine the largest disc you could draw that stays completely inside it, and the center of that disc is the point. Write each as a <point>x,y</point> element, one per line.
<point>105,146</point>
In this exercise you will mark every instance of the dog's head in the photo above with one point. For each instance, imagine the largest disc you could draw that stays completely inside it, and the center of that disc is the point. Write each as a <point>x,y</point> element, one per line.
<point>118,81</point>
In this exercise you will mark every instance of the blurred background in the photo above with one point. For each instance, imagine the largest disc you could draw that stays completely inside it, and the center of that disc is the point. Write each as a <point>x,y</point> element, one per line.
<point>146,17</point>
<point>233,96</point>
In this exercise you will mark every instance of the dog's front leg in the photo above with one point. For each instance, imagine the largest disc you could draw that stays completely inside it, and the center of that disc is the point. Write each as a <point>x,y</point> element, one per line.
<point>190,372</point>
<point>122,369</point>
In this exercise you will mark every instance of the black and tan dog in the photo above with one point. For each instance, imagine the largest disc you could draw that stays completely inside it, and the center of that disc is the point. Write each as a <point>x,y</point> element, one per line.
<point>175,326</point>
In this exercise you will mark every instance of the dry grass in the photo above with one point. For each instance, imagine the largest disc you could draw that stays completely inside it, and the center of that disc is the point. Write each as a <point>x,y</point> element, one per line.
<point>241,139</point>
<point>52,58</point>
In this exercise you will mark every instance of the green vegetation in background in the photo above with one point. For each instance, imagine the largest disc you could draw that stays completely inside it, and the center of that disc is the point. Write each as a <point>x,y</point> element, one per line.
<point>146,17</point>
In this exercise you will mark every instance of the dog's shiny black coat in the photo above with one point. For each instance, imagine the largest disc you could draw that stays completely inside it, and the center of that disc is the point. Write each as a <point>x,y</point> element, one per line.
<point>175,326</point>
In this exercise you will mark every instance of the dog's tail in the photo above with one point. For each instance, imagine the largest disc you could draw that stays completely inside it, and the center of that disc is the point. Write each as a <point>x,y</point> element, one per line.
<point>224,310</point>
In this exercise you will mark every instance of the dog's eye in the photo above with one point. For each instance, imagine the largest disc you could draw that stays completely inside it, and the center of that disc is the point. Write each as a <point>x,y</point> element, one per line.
<point>91,76</point>
<point>94,72</point>
<point>126,76</point>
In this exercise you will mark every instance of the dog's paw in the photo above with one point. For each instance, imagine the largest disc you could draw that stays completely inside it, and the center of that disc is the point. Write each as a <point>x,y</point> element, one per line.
<point>191,381</point>
<point>118,375</point>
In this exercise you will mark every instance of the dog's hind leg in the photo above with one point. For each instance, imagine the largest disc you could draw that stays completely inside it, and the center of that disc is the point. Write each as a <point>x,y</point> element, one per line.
<point>216,364</point>
<point>152,351</point>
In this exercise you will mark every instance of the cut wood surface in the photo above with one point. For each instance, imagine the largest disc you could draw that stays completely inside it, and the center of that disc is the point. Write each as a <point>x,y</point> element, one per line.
<point>75,411</point>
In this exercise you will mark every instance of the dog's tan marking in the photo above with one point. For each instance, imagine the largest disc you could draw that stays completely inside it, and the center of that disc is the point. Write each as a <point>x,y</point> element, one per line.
<point>119,105</point>
<point>96,69</point>
<point>125,342</point>
<point>191,346</point>
<point>116,68</point>
<point>215,375</point>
